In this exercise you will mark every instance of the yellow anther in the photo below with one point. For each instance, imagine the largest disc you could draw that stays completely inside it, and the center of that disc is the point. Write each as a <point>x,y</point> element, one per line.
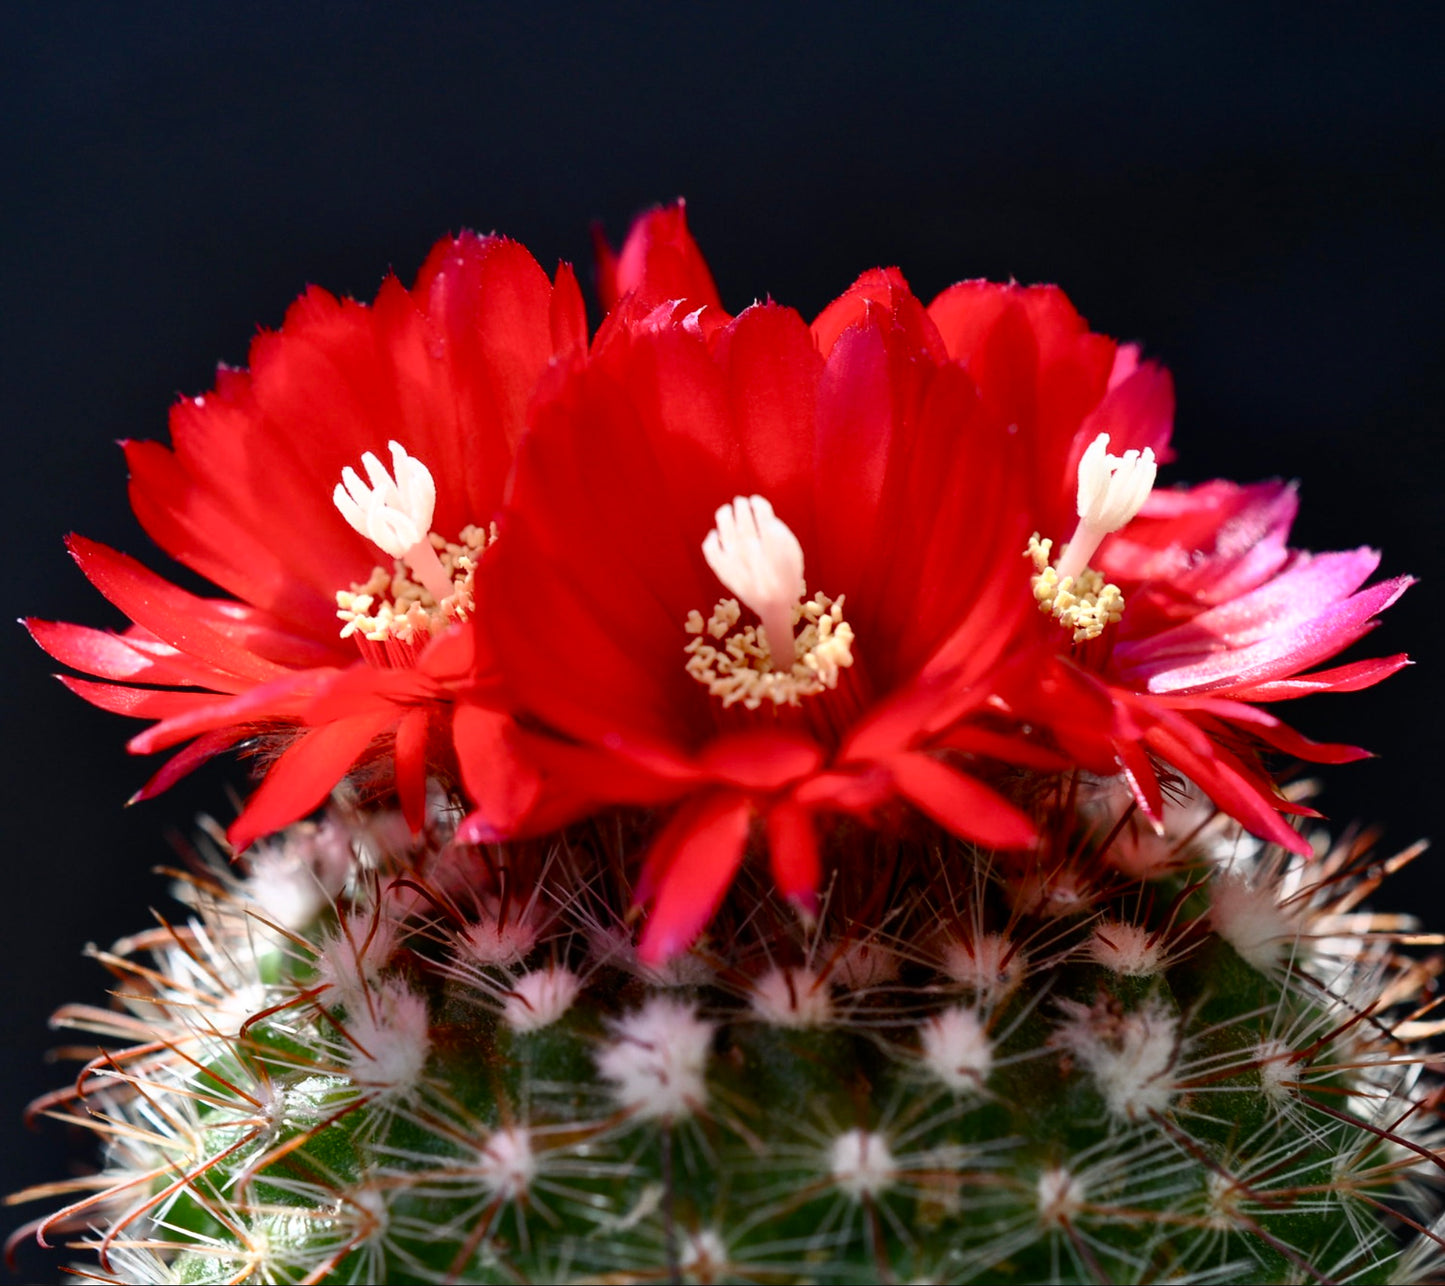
<point>743,670</point>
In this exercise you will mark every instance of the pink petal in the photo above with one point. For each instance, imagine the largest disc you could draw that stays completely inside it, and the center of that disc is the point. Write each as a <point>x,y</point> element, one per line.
<point>1298,643</point>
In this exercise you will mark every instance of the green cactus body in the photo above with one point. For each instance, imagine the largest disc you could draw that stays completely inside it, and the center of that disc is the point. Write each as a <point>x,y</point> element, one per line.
<point>448,1065</point>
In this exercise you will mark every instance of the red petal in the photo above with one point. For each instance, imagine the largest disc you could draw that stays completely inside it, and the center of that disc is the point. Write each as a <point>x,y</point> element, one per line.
<point>305,774</point>
<point>498,780</point>
<point>762,760</point>
<point>960,804</point>
<point>411,764</point>
<point>188,760</point>
<point>140,703</point>
<point>568,315</point>
<point>1343,678</point>
<point>688,870</point>
<point>161,608</point>
<point>660,261</point>
<point>1136,413</point>
<point>1273,732</point>
<point>855,436</point>
<point>793,851</point>
<point>1143,780</point>
<point>134,656</point>
<point>878,287</point>
<point>604,260</point>
<point>1249,797</point>
<point>285,700</point>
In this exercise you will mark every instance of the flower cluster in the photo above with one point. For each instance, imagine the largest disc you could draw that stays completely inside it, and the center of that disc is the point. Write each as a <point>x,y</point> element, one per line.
<point>769,580</point>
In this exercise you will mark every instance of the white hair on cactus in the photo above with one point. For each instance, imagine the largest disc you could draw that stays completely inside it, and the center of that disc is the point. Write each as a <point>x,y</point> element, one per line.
<point>1252,921</point>
<point>1130,1055</point>
<point>1277,1072</point>
<point>494,941</point>
<point>539,998</point>
<point>990,965</point>
<point>506,1163</point>
<point>657,1063</point>
<point>1059,1195</point>
<point>350,961</point>
<point>294,876</point>
<point>389,1040</point>
<point>702,1255</point>
<point>861,1163</point>
<point>957,1049</point>
<point>1130,950</point>
<point>792,997</point>
<point>860,964</point>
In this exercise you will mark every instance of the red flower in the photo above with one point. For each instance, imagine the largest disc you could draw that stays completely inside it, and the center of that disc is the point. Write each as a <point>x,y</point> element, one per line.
<point>1185,615</point>
<point>437,382</point>
<point>706,487</point>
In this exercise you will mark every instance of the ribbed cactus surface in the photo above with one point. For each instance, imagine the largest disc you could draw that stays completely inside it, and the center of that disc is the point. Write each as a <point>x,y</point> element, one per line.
<point>369,1061</point>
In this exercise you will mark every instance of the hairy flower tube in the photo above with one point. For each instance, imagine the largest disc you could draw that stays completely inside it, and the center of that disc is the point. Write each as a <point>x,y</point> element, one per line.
<point>341,642</point>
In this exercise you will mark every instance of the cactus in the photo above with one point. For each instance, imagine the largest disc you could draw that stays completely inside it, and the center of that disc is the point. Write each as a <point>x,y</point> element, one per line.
<point>971,946</point>
<point>376,1060</point>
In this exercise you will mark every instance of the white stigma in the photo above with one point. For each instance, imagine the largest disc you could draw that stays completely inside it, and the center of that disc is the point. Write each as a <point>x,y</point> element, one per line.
<point>396,510</point>
<point>755,554</point>
<point>1112,489</point>
<point>395,513</point>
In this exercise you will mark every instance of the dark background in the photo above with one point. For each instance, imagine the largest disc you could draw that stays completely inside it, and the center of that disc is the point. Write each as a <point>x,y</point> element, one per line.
<point>1253,192</point>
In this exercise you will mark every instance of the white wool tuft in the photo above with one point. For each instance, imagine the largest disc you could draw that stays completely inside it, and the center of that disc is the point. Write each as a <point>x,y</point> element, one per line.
<point>657,1064</point>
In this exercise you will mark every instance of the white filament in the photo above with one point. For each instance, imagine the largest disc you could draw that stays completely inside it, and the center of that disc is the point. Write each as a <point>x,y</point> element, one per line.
<point>1112,489</point>
<point>755,554</point>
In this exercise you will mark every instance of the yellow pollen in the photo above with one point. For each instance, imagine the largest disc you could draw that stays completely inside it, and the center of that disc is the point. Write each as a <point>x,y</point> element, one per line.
<point>391,605</point>
<point>738,666</point>
<point>1085,603</point>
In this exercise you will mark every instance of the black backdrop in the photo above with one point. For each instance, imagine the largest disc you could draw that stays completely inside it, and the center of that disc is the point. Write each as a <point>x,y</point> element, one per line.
<point>1254,192</point>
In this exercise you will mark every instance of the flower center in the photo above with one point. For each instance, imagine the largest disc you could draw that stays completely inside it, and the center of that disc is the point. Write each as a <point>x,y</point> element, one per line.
<point>1112,489</point>
<point>800,645</point>
<point>429,584</point>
